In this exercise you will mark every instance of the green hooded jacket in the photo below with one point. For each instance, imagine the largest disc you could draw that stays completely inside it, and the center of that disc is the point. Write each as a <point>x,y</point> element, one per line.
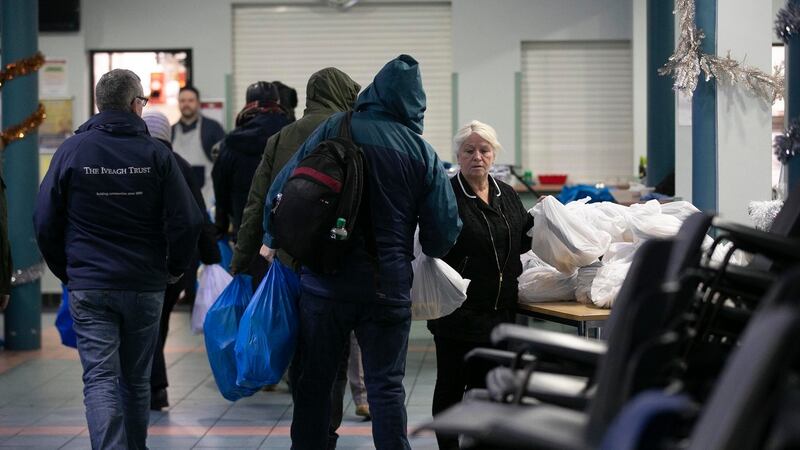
<point>329,91</point>
<point>5,247</point>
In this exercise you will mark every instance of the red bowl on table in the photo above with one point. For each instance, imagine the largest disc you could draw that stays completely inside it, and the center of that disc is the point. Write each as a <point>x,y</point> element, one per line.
<point>552,178</point>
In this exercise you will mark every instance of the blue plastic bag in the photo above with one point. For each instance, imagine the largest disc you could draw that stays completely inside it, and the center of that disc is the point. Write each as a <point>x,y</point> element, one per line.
<point>64,321</point>
<point>268,331</point>
<point>225,253</point>
<point>220,329</point>
<point>579,191</point>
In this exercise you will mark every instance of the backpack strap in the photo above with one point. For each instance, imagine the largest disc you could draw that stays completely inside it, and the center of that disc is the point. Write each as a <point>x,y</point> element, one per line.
<point>362,202</point>
<point>344,126</point>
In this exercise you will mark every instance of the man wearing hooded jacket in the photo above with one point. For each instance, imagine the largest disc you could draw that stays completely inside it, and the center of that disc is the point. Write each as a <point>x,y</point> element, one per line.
<point>328,91</point>
<point>371,295</point>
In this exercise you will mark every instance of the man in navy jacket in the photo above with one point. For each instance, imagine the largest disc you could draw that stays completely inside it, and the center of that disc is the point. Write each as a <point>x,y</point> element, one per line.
<point>116,222</point>
<point>371,296</point>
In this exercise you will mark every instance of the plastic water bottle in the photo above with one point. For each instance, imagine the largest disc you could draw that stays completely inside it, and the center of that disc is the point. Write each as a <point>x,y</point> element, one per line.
<point>339,233</point>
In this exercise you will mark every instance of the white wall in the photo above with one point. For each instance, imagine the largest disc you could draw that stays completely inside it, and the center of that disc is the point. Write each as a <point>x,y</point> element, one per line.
<point>683,139</point>
<point>487,39</point>
<point>743,121</point>
<point>487,44</point>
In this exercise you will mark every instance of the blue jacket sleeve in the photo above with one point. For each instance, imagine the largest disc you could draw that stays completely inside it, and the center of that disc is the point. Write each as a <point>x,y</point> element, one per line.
<point>439,224</point>
<point>313,140</point>
<point>182,217</point>
<point>50,217</point>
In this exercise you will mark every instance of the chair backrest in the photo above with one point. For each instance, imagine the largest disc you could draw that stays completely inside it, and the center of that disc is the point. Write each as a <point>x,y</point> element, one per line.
<point>688,243</point>
<point>744,399</point>
<point>685,256</point>
<point>637,312</point>
<point>787,222</point>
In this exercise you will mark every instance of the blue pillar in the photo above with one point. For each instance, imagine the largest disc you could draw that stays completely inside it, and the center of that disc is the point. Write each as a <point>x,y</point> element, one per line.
<point>793,98</point>
<point>660,95</point>
<point>23,318</point>
<point>704,118</point>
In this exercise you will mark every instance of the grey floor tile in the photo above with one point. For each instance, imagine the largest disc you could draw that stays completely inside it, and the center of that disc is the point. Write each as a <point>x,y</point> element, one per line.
<point>77,443</point>
<point>239,442</point>
<point>52,442</point>
<point>171,442</point>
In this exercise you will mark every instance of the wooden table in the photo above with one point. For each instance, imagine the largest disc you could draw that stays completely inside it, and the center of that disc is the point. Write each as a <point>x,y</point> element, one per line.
<point>568,313</point>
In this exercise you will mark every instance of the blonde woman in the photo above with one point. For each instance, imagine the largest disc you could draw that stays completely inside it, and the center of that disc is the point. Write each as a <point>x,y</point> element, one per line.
<point>487,252</point>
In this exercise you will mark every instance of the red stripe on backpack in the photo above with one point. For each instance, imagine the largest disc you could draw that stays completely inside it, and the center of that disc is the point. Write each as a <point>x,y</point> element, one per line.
<point>335,185</point>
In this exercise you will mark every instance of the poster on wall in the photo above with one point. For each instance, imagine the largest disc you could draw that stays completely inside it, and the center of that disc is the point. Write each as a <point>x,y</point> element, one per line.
<point>57,126</point>
<point>53,81</point>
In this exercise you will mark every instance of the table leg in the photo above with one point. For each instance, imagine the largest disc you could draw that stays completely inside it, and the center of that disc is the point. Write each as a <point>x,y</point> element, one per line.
<point>582,329</point>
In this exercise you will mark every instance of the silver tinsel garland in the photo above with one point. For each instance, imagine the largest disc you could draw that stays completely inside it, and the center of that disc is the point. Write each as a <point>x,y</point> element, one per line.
<point>763,213</point>
<point>788,22</point>
<point>27,275</point>
<point>689,61</point>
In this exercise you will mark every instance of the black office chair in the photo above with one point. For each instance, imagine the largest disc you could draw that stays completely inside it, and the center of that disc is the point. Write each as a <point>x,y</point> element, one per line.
<point>754,402</point>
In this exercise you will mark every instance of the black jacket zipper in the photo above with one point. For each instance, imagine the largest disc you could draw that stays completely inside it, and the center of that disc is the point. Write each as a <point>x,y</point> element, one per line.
<point>496,257</point>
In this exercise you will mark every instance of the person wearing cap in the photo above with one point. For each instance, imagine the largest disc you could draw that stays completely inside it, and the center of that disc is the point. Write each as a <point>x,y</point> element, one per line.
<point>288,97</point>
<point>207,250</point>
<point>240,153</point>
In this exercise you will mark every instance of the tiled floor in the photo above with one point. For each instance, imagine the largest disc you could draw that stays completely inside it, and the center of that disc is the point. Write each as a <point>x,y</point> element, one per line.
<point>41,402</point>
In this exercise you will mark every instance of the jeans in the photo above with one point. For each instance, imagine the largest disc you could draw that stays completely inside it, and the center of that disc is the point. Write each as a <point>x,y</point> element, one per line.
<point>117,333</point>
<point>325,327</point>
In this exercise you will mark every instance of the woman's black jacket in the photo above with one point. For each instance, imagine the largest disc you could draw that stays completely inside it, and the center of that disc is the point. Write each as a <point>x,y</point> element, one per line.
<point>486,252</point>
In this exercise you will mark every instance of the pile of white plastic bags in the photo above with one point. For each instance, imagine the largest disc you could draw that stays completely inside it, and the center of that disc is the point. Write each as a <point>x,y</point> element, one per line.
<point>582,251</point>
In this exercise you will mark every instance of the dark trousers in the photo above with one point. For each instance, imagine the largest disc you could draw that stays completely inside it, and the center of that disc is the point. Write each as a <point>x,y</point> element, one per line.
<point>337,392</point>
<point>158,378</point>
<point>454,377</point>
<point>382,332</point>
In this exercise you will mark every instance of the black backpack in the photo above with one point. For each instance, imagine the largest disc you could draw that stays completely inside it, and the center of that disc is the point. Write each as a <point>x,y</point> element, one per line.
<point>327,184</point>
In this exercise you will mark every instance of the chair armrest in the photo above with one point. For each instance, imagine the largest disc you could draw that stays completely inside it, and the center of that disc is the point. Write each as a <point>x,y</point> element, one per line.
<point>757,241</point>
<point>499,357</point>
<point>506,358</point>
<point>550,343</point>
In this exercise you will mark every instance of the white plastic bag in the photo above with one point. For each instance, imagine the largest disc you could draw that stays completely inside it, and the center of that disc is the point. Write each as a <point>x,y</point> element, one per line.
<point>604,216</point>
<point>739,258</point>
<point>583,282</point>
<point>530,260</point>
<point>563,239</point>
<point>620,252</point>
<point>213,280</point>
<point>546,284</point>
<point>680,209</point>
<point>438,289</point>
<point>648,222</point>
<point>607,283</point>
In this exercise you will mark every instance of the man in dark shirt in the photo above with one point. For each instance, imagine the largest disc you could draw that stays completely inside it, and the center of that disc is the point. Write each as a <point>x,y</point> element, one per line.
<point>115,221</point>
<point>193,137</point>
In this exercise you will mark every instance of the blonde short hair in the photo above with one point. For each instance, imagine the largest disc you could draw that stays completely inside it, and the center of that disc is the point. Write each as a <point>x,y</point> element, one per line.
<point>481,129</point>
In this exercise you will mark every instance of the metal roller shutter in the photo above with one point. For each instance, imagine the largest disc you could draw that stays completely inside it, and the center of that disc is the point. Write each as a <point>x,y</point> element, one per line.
<point>577,110</point>
<point>289,43</point>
